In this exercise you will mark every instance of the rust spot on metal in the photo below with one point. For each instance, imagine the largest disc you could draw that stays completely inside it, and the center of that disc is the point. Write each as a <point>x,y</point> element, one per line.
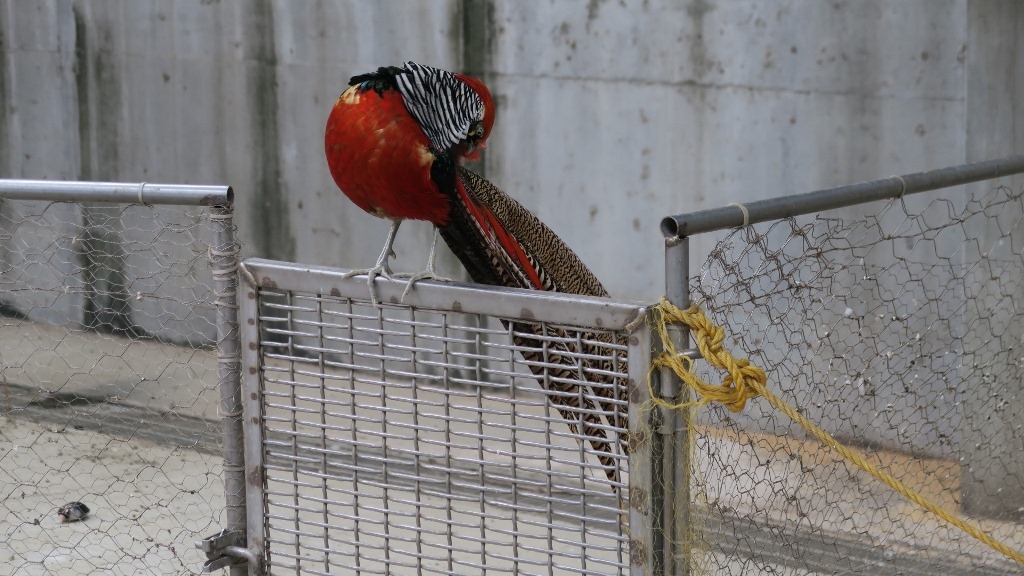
<point>526,314</point>
<point>268,283</point>
<point>255,420</point>
<point>635,440</point>
<point>598,322</point>
<point>638,500</point>
<point>252,370</point>
<point>255,477</point>
<point>637,552</point>
<point>634,341</point>
<point>251,295</point>
<point>254,396</point>
<point>335,292</point>
<point>457,306</point>
<point>635,392</point>
<point>252,345</point>
<point>252,321</point>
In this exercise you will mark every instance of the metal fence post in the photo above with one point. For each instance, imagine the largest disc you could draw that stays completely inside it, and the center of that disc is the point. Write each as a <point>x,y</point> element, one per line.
<point>224,264</point>
<point>642,507</point>
<point>675,424</point>
<point>252,421</point>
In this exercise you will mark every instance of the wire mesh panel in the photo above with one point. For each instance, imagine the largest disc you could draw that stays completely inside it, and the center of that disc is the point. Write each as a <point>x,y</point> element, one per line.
<point>434,438</point>
<point>108,387</point>
<point>898,328</point>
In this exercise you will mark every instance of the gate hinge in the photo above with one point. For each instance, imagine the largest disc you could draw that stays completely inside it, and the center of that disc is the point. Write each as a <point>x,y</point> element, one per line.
<point>226,549</point>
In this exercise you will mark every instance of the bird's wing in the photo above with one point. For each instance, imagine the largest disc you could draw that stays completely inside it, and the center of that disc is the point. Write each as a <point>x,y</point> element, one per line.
<point>552,261</point>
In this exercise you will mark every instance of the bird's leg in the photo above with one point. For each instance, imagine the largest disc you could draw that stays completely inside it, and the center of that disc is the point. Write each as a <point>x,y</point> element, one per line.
<point>428,273</point>
<point>381,267</point>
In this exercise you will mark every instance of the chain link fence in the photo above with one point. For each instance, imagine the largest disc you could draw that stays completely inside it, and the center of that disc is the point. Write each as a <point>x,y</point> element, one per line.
<point>109,372</point>
<point>896,326</point>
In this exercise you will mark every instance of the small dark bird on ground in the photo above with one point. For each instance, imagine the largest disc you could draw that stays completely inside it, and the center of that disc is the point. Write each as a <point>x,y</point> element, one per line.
<point>73,512</point>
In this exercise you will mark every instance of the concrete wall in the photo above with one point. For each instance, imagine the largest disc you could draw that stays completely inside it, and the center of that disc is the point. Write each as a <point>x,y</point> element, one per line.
<point>610,114</point>
<point>633,114</point>
<point>992,447</point>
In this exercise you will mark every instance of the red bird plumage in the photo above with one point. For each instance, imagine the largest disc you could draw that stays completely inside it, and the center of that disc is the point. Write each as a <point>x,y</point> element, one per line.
<point>395,140</point>
<point>381,159</point>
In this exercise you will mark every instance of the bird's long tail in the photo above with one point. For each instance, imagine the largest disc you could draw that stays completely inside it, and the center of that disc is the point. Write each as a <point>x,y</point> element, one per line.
<point>501,243</point>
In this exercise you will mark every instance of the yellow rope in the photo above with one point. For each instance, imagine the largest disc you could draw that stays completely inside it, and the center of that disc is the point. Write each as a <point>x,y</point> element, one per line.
<point>742,383</point>
<point>745,381</point>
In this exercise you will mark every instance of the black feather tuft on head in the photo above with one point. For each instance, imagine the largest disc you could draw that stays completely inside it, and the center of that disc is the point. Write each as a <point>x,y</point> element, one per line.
<point>379,81</point>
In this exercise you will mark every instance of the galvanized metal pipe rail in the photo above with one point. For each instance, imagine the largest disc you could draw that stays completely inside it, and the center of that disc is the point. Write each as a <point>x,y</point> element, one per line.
<point>735,216</point>
<point>120,192</point>
<point>224,268</point>
<point>673,466</point>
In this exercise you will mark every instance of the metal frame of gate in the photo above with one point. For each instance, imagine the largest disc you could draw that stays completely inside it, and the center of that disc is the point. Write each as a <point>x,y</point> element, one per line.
<point>449,459</point>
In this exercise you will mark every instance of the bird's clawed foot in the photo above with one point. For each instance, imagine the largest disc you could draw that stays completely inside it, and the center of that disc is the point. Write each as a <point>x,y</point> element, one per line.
<point>426,274</point>
<point>379,269</point>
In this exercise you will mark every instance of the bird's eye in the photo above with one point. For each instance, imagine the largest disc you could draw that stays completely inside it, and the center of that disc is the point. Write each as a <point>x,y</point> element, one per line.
<point>477,130</point>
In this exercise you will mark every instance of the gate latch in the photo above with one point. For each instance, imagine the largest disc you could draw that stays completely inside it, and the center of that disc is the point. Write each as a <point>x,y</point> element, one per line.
<point>225,549</point>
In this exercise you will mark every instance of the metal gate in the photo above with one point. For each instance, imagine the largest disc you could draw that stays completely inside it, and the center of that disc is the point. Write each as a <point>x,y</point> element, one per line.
<point>424,437</point>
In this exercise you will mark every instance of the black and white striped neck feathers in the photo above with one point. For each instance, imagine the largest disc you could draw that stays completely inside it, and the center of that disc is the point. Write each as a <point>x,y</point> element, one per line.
<point>445,107</point>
